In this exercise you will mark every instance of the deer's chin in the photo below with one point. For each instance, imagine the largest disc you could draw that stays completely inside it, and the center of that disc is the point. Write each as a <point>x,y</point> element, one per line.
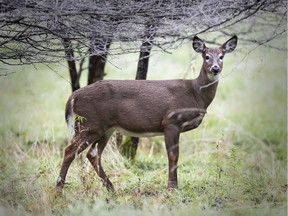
<point>213,77</point>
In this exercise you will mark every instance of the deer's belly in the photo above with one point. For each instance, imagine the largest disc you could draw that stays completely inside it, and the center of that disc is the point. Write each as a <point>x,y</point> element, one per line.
<point>136,134</point>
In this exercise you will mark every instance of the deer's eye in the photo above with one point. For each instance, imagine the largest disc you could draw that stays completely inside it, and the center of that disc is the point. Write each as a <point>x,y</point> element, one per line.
<point>207,57</point>
<point>221,57</point>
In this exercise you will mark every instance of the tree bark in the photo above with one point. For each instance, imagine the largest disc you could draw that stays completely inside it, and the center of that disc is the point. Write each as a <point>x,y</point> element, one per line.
<point>71,64</point>
<point>143,61</point>
<point>97,63</point>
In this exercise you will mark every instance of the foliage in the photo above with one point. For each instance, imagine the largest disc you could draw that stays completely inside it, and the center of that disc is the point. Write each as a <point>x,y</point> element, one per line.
<point>79,118</point>
<point>127,149</point>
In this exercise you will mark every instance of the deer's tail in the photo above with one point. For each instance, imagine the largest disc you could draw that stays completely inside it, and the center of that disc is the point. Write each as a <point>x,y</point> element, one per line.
<point>70,116</point>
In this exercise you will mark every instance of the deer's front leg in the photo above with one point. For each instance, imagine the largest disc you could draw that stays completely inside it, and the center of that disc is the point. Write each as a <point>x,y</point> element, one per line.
<point>171,133</point>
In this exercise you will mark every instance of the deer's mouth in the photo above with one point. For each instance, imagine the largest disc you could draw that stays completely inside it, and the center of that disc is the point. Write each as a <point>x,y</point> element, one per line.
<point>215,72</point>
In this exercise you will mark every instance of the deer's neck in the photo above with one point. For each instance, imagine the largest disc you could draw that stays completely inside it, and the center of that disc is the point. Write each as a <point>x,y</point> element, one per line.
<point>206,87</point>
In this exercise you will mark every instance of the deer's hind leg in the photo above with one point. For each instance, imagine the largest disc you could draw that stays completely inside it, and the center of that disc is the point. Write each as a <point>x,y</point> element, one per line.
<point>94,156</point>
<point>77,145</point>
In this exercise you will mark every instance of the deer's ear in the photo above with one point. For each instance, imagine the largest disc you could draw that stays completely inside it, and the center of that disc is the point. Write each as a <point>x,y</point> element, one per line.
<point>230,45</point>
<point>198,45</point>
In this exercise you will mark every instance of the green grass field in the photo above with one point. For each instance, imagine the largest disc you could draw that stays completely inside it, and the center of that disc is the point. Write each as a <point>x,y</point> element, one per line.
<point>235,163</point>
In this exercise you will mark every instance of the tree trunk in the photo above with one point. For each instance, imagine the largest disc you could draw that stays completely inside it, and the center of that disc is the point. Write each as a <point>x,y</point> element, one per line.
<point>97,63</point>
<point>143,61</point>
<point>71,64</point>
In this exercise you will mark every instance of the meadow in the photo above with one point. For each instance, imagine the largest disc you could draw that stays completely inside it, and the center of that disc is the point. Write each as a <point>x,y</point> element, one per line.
<point>235,163</point>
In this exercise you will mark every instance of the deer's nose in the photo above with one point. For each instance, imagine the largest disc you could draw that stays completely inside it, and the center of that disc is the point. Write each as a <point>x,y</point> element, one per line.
<point>215,69</point>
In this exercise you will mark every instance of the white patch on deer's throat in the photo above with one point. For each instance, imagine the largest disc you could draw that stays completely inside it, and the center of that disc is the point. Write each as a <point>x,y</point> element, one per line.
<point>213,77</point>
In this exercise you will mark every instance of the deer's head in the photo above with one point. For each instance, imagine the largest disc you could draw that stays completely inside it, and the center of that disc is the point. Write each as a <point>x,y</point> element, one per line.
<point>213,57</point>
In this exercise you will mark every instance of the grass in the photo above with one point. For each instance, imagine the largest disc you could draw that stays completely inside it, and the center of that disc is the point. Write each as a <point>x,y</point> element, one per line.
<point>233,164</point>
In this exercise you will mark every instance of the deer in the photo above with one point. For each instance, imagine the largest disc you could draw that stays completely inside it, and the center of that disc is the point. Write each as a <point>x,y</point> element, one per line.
<point>141,108</point>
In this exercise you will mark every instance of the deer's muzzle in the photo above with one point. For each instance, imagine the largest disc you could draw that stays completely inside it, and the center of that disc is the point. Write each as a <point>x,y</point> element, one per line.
<point>215,69</point>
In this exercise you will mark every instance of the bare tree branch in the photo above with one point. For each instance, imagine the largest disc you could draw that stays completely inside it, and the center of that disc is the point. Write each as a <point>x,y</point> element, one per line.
<point>32,31</point>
